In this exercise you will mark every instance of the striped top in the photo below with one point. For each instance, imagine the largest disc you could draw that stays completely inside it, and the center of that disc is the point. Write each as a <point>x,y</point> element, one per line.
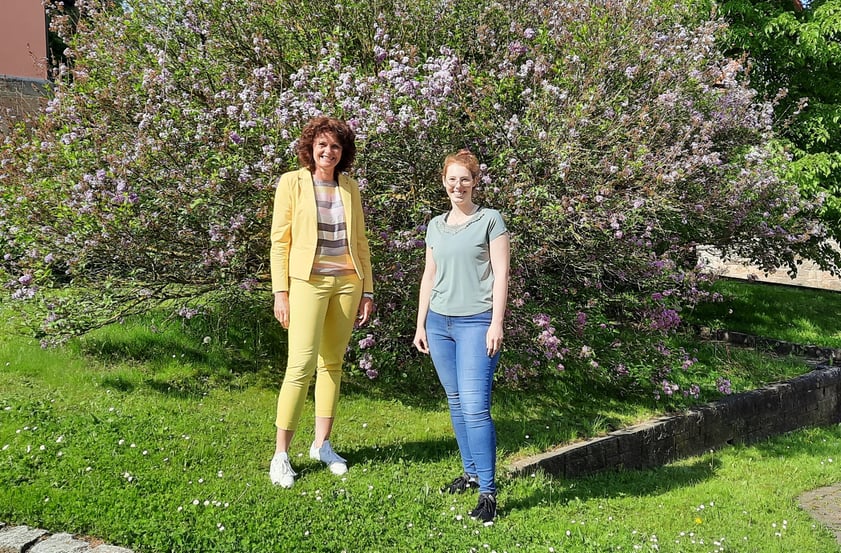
<point>332,256</point>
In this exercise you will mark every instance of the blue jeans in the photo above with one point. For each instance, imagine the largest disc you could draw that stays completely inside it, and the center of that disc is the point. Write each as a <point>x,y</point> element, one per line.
<point>460,355</point>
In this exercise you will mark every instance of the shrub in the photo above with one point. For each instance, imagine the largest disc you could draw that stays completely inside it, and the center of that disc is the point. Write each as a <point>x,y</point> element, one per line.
<point>615,139</point>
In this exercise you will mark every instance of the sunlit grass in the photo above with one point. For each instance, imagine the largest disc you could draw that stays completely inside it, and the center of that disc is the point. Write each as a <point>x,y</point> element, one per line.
<point>155,440</point>
<point>800,315</point>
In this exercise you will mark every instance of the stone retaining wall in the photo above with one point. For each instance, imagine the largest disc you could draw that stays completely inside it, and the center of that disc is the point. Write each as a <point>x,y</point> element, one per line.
<point>809,400</point>
<point>808,273</point>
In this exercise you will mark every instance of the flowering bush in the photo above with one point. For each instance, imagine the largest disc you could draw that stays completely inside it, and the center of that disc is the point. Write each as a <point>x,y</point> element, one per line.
<point>615,140</point>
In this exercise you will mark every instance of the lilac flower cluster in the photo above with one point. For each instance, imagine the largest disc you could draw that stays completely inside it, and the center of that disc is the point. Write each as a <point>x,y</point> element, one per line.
<point>548,340</point>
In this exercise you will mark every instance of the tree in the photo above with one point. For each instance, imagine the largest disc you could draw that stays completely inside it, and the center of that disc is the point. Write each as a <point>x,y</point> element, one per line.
<point>616,138</point>
<point>794,52</point>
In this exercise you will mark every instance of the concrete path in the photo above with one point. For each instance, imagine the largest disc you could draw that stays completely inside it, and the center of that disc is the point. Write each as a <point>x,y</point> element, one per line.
<point>824,504</point>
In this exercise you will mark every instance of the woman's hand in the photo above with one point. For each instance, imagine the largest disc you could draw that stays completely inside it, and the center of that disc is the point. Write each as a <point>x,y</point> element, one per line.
<point>493,339</point>
<point>366,309</point>
<point>420,340</point>
<point>281,308</point>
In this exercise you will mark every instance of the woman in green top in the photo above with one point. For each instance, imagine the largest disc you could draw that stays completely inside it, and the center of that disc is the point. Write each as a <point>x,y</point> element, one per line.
<point>462,300</point>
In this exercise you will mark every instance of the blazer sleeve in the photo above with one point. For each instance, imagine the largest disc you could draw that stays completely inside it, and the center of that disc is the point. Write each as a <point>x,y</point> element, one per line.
<point>281,233</point>
<point>361,240</point>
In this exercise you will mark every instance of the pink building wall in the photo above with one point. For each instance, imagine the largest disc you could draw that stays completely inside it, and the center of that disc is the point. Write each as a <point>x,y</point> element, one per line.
<point>23,39</point>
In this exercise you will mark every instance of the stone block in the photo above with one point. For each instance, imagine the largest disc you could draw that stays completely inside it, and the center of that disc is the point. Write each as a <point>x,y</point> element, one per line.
<point>111,549</point>
<point>17,539</point>
<point>60,543</point>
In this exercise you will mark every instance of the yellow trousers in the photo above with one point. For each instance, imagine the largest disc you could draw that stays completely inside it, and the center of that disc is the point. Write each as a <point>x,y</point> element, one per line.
<point>322,311</point>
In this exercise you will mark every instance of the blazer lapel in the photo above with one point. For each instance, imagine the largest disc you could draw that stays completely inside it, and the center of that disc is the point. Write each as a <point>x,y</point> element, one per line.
<point>308,193</point>
<point>347,203</point>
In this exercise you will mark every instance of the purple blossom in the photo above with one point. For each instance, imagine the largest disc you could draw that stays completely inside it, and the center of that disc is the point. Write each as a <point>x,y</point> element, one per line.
<point>188,312</point>
<point>367,342</point>
<point>669,388</point>
<point>366,363</point>
<point>541,320</point>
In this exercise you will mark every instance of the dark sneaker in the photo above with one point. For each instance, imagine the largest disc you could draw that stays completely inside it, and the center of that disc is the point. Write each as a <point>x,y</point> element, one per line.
<point>486,509</point>
<point>461,484</point>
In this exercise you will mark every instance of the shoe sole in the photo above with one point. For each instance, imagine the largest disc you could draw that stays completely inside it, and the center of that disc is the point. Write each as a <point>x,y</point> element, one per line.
<point>282,484</point>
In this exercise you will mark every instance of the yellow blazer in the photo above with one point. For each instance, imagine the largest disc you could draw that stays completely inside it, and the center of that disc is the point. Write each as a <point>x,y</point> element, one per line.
<point>294,233</point>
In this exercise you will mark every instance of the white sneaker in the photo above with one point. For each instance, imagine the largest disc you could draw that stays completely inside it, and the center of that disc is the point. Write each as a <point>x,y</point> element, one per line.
<point>280,471</point>
<point>325,454</point>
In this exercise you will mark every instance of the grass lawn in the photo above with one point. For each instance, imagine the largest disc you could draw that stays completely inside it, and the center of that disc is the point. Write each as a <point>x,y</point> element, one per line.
<point>160,451</point>
<point>799,315</point>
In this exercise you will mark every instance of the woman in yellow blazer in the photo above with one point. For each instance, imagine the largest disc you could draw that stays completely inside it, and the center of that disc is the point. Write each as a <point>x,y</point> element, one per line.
<point>322,283</point>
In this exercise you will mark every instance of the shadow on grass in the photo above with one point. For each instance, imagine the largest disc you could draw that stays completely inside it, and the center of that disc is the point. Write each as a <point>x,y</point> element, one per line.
<point>244,343</point>
<point>621,484</point>
<point>118,383</point>
<point>424,451</point>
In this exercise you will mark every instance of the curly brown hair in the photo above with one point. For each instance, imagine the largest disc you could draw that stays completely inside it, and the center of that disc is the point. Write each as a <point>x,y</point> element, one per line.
<point>321,125</point>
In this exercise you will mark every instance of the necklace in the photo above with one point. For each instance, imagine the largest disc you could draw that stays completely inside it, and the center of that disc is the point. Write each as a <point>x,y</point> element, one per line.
<point>455,221</point>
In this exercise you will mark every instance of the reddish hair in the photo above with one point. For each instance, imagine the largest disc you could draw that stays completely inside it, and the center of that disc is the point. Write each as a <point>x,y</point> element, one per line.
<point>465,158</point>
<point>321,125</point>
